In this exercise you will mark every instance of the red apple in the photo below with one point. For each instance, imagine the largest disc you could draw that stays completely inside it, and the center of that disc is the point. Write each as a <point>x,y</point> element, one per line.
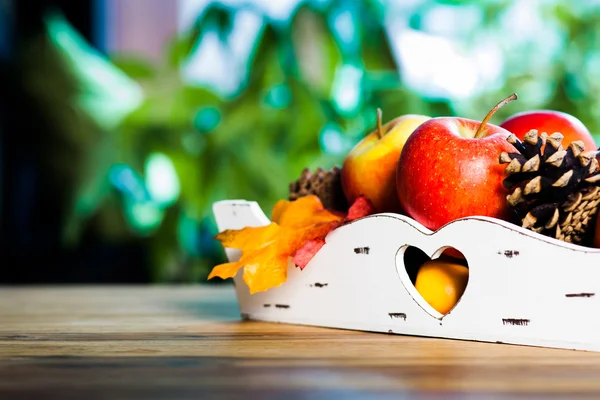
<point>370,168</point>
<point>550,121</point>
<point>449,169</point>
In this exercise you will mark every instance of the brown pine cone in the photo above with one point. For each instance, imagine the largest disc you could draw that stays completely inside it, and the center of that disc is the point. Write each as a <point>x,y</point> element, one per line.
<point>554,191</point>
<point>326,185</point>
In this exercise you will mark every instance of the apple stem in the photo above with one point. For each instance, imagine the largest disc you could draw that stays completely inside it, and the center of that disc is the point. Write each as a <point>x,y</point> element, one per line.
<point>479,133</point>
<point>380,132</point>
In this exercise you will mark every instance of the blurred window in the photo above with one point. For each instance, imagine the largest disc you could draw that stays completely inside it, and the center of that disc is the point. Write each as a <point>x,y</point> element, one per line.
<point>136,27</point>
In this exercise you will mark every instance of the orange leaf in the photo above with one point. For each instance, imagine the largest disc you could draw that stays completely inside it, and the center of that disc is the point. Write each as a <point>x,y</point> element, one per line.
<point>266,273</point>
<point>312,232</point>
<point>303,212</point>
<point>224,271</point>
<point>279,209</point>
<point>298,230</point>
<point>264,268</point>
<point>249,237</point>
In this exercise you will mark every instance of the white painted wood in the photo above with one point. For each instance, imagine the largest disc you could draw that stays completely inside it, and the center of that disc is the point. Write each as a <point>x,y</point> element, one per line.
<point>524,288</point>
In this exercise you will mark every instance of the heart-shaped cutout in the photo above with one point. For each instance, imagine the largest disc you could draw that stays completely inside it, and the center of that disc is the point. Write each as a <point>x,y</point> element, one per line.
<point>436,283</point>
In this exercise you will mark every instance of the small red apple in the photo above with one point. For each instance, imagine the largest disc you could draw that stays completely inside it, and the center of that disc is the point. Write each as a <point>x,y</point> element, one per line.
<point>550,121</point>
<point>449,169</point>
<point>370,168</point>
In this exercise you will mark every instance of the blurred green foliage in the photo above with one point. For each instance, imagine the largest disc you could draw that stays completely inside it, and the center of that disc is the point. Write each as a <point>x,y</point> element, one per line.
<point>308,93</point>
<point>291,111</point>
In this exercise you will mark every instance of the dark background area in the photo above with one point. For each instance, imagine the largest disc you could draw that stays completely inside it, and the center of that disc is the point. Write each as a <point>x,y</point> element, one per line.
<point>32,203</point>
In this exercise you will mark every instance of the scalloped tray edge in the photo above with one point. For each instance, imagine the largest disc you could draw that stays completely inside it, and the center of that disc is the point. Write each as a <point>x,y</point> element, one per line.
<point>524,288</point>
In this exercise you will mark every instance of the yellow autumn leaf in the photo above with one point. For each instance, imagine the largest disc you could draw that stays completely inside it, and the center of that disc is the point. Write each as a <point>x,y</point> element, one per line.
<point>266,250</point>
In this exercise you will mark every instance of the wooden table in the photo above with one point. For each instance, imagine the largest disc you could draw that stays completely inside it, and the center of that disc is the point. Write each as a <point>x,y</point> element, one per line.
<point>188,342</point>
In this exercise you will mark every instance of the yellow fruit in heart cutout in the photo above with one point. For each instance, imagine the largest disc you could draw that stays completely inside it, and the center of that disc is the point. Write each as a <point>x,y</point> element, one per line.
<point>441,283</point>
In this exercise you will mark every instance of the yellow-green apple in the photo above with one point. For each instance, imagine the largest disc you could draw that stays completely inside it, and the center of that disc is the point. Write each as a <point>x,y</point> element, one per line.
<point>550,121</point>
<point>370,168</point>
<point>449,169</point>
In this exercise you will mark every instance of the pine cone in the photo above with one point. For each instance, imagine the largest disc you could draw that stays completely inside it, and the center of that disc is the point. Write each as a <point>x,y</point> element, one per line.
<point>326,185</point>
<point>555,191</point>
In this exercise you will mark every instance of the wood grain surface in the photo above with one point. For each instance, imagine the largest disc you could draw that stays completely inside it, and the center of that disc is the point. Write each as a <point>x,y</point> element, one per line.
<point>189,342</point>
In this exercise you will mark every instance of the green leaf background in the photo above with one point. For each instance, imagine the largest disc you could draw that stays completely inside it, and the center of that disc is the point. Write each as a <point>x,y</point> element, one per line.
<point>289,112</point>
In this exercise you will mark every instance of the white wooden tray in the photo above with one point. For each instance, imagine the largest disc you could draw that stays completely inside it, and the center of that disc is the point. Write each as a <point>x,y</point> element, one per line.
<point>524,288</point>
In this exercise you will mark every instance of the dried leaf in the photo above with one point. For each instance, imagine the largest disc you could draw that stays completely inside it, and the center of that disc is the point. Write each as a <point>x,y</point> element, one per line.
<point>359,209</point>
<point>266,270</point>
<point>298,230</point>
<point>224,271</point>
<point>248,237</point>
<point>279,210</point>
<point>307,252</point>
<point>300,213</point>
